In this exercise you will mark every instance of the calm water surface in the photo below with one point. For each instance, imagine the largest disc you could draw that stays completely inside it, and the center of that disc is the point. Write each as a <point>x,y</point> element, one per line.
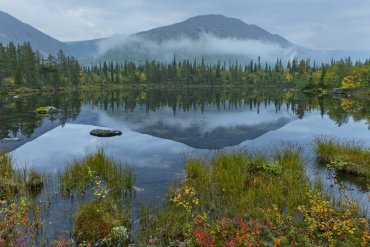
<point>162,127</point>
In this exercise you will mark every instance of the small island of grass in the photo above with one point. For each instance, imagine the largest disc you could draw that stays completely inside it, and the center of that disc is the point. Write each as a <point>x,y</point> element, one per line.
<point>344,155</point>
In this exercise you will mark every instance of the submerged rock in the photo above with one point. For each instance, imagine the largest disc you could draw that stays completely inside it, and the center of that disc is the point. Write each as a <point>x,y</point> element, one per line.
<point>105,132</point>
<point>47,110</point>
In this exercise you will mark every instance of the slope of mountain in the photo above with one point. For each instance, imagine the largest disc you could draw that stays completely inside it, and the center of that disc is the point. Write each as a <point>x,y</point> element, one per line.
<point>85,50</point>
<point>213,37</point>
<point>13,30</point>
<point>217,25</point>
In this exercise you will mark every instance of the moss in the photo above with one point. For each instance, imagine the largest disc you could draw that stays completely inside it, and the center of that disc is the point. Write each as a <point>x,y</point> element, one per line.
<point>96,220</point>
<point>44,110</point>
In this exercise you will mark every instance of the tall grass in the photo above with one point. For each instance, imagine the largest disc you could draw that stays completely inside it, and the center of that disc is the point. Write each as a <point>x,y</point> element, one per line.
<point>344,155</point>
<point>241,184</point>
<point>240,199</point>
<point>9,181</point>
<point>76,178</point>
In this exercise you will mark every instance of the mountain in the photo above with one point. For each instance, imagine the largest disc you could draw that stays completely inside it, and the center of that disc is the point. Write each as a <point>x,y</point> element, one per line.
<point>217,25</point>
<point>13,30</point>
<point>212,37</point>
<point>84,50</point>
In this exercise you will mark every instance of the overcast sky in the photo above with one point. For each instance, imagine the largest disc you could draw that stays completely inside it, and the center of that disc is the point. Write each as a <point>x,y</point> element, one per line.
<point>317,24</point>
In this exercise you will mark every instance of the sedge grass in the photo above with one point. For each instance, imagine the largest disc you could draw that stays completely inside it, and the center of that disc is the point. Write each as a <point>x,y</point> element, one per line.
<point>76,177</point>
<point>347,156</point>
<point>240,183</point>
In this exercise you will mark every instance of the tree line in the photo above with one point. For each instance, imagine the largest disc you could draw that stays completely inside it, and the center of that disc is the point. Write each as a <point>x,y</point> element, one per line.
<point>22,67</point>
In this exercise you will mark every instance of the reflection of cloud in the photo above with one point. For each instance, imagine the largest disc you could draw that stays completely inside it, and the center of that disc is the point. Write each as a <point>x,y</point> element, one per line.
<point>207,121</point>
<point>63,145</point>
<point>303,131</point>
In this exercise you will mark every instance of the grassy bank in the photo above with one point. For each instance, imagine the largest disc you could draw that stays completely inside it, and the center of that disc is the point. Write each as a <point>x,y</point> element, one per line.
<point>346,156</point>
<point>238,199</point>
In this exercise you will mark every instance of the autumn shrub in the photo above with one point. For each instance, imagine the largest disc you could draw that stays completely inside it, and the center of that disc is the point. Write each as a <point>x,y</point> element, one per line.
<point>19,222</point>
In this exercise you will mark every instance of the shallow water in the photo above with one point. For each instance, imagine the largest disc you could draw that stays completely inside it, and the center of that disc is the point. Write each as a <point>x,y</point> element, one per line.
<point>162,127</point>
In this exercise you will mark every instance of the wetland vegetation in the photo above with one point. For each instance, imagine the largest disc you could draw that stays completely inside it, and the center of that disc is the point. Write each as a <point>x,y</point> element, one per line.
<point>227,199</point>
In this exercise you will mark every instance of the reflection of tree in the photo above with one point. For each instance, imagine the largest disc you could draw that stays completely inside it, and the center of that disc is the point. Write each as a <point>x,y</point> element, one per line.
<point>187,99</point>
<point>16,116</point>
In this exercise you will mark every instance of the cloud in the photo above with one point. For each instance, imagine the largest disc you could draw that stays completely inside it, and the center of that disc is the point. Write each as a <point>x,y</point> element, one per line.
<point>206,45</point>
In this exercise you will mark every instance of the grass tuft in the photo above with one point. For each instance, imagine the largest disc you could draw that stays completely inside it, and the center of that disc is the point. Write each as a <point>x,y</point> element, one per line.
<point>76,178</point>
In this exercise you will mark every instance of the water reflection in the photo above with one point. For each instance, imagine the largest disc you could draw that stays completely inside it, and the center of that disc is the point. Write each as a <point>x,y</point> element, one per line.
<point>190,106</point>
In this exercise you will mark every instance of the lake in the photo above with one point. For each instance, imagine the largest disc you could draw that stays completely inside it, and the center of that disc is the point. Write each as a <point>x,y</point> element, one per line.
<point>164,126</point>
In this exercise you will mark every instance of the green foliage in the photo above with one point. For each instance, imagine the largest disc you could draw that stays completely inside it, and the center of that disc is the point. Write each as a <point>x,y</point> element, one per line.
<point>24,67</point>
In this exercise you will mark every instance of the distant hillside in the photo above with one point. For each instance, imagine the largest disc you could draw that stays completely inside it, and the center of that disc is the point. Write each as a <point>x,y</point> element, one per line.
<point>217,25</point>
<point>13,30</point>
<point>214,37</point>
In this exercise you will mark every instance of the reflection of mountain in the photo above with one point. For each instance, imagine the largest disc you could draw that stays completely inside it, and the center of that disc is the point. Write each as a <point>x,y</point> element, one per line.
<point>217,138</point>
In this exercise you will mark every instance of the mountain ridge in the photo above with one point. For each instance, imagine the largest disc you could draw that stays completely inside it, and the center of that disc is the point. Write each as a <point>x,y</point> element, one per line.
<point>216,24</point>
<point>18,32</point>
<point>151,44</point>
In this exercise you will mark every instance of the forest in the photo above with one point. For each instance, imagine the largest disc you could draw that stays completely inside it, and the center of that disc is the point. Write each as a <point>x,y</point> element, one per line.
<point>20,66</point>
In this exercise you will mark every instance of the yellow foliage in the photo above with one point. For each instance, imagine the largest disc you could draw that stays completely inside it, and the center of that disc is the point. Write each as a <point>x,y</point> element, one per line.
<point>316,77</point>
<point>9,81</point>
<point>330,223</point>
<point>288,76</point>
<point>350,82</point>
<point>287,96</point>
<point>347,104</point>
